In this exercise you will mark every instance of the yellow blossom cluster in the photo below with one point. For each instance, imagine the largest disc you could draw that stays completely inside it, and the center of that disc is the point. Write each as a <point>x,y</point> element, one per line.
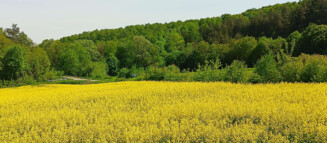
<point>164,112</point>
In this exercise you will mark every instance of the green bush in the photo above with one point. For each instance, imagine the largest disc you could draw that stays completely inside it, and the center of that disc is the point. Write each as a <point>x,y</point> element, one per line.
<point>113,64</point>
<point>254,78</point>
<point>173,74</point>
<point>267,69</point>
<point>209,72</point>
<point>15,64</point>
<point>98,70</point>
<point>236,72</point>
<point>52,74</point>
<point>314,68</point>
<point>291,70</point>
<point>124,73</point>
<point>155,73</point>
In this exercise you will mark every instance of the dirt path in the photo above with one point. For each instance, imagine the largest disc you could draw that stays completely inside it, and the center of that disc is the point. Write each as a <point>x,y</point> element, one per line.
<point>75,78</point>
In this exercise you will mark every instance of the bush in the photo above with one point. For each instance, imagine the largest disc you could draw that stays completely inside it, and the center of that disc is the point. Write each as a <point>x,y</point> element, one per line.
<point>52,74</point>
<point>124,73</point>
<point>209,72</point>
<point>173,74</point>
<point>291,70</point>
<point>155,73</point>
<point>314,68</point>
<point>113,64</point>
<point>267,69</point>
<point>254,78</point>
<point>15,64</point>
<point>236,72</point>
<point>98,70</point>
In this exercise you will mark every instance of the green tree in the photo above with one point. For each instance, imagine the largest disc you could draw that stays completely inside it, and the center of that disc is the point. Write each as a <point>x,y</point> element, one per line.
<point>39,63</point>
<point>236,72</point>
<point>113,65</point>
<point>313,40</point>
<point>292,41</point>
<point>13,33</point>
<point>145,53</point>
<point>15,64</point>
<point>241,49</point>
<point>267,69</point>
<point>69,62</point>
<point>98,70</point>
<point>175,42</point>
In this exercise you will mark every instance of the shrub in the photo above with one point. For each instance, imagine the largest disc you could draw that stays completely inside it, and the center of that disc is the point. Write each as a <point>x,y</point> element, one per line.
<point>236,72</point>
<point>15,64</point>
<point>113,65</point>
<point>291,70</point>
<point>314,68</point>
<point>267,69</point>
<point>98,70</point>
<point>124,73</point>
<point>155,73</point>
<point>173,73</point>
<point>209,72</point>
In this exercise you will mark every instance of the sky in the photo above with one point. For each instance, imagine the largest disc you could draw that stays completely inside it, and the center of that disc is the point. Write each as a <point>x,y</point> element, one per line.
<point>53,19</point>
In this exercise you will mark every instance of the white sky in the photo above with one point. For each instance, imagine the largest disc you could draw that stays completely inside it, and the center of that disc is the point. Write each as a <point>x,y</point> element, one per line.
<point>46,19</point>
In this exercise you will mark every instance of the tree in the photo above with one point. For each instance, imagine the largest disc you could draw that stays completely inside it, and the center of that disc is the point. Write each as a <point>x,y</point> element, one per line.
<point>236,72</point>
<point>15,64</point>
<point>191,32</point>
<point>292,41</point>
<point>241,49</point>
<point>13,33</point>
<point>39,63</point>
<point>98,70</point>
<point>17,36</point>
<point>267,69</point>
<point>175,42</point>
<point>313,40</point>
<point>262,48</point>
<point>23,39</point>
<point>113,65</point>
<point>145,53</point>
<point>69,62</point>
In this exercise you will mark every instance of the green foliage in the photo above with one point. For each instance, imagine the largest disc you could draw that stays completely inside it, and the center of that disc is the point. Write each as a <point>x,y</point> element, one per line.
<point>267,69</point>
<point>209,72</point>
<point>98,70</point>
<point>69,62</point>
<point>236,72</point>
<point>241,49</point>
<point>113,65</point>
<point>291,70</point>
<point>74,60</point>
<point>173,74</point>
<point>313,40</point>
<point>262,48</point>
<point>17,36</point>
<point>314,69</point>
<point>15,64</point>
<point>39,64</point>
<point>293,40</point>
<point>155,73</point>
<point>124,73</point>
<point>175,42</point>
<point>186,45</point>
<point>144,52</point>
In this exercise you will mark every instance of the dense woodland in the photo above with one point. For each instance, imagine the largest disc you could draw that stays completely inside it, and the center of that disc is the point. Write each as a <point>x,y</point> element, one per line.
<point>283,42</point>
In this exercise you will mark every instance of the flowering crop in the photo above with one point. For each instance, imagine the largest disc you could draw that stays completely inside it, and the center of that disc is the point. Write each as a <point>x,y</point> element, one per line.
<point>164,111</point>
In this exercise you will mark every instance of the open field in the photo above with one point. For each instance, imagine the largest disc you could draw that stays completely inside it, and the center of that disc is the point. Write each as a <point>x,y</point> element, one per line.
<point>164,111</point>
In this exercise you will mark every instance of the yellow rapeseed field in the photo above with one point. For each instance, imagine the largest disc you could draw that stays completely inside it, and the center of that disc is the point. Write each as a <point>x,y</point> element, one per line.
<point>164,111</point>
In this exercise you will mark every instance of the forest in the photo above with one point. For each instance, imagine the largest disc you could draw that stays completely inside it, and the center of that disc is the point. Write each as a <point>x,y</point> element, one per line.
<point>283,42</point>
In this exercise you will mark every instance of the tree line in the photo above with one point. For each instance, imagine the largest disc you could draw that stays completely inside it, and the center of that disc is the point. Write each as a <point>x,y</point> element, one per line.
<point>282,30</point>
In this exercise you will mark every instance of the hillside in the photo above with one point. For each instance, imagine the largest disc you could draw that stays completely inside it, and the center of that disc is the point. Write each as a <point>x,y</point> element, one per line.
<point>284,31</point>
